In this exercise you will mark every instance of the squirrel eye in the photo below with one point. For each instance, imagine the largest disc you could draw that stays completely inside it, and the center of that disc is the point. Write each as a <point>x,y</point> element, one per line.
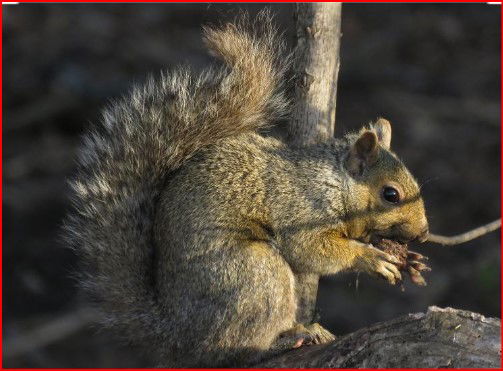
<point>390,194</point>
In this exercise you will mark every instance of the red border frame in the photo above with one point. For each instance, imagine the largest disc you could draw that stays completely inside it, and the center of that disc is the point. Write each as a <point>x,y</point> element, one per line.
<point>239,1</point>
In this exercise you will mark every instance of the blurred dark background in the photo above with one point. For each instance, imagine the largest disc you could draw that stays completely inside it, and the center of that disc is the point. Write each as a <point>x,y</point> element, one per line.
<point>433,70</point>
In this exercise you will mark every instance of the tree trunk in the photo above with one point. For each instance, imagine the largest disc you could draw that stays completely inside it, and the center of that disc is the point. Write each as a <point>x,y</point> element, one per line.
<point>316,66</point>
<point>439,338</point>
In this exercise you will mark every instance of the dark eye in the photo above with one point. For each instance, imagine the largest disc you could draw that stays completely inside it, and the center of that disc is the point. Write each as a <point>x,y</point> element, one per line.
<point>390,194</point>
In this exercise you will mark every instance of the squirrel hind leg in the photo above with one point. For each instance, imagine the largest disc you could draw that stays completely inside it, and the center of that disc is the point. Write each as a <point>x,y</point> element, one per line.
<point>234,304</point>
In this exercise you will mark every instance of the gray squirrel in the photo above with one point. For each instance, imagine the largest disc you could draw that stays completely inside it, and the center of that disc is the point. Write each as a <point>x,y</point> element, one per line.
<point>194,228</point>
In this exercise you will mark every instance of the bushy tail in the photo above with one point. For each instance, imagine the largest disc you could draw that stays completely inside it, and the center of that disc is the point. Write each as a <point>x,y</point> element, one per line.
<point>143,138</point>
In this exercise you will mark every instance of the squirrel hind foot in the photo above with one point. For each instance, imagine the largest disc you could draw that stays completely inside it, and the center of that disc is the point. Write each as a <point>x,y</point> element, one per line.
<point>301,335</point>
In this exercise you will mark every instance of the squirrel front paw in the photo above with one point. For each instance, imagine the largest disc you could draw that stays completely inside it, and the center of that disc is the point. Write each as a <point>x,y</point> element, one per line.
<point>377,262</point>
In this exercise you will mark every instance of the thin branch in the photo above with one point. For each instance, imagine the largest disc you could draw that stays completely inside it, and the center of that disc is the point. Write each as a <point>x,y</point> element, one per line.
<point>49,332</point>
<point>465,237</point>
<point>40,111</point>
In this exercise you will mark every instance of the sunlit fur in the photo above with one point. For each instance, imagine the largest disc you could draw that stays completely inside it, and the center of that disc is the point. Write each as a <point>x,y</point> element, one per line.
<point>404,221</point>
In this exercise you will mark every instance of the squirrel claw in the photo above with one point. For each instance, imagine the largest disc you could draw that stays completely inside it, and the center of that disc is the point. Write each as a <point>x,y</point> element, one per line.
<point>301,335</point>
<point>299,343</point>
<point>412,255</point>
<point>419,266</point>
<point>416,276</point>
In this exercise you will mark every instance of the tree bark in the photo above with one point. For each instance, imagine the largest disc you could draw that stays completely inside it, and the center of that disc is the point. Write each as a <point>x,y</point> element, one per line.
<point>439,338</point>
<point>316,66</point>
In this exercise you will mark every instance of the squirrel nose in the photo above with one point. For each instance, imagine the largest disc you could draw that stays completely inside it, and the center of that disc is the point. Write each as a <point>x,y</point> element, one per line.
<point>423,236</point>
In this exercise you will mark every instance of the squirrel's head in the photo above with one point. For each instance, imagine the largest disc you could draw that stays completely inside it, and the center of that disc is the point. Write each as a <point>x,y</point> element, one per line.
<point>384,193</point>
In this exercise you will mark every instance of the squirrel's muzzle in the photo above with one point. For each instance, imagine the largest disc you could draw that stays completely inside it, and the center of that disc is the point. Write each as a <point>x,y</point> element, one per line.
<point>423,236</point>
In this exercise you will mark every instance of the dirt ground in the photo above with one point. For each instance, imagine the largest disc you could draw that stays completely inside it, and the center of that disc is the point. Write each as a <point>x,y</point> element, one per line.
<point>432,70</point>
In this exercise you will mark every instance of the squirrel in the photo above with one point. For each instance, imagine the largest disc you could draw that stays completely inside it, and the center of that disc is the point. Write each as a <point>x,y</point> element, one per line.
<point>194,227</point>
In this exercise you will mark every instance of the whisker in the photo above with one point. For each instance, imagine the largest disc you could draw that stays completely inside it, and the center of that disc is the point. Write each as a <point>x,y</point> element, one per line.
<point>427,181</point>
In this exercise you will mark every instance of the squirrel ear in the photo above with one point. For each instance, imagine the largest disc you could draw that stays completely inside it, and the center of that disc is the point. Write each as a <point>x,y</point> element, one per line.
<point>363,153</point>
<point>382,128</point>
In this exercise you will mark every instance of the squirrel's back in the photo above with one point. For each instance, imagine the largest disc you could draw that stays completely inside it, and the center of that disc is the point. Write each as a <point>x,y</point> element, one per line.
<point>141,140</point>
